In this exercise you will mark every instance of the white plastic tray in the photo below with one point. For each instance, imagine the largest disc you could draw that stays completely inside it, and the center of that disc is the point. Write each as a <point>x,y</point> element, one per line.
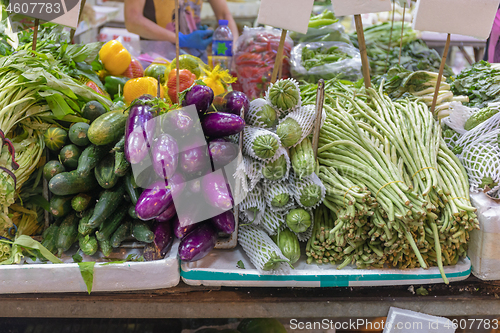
<point>66,277</point>
<point>219,269</point>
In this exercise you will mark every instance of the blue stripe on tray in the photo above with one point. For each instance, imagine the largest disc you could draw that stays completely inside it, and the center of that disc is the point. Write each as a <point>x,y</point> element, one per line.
<point>325,280</point>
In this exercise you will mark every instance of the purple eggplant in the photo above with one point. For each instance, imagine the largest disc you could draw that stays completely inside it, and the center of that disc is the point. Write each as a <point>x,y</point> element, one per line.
<point>222,152</point>
<point>177,184</point>
<point>179,123</point>
<point>139,130</point>
<point>165,156</point>
<point>224,222</point>
<point>181,230</point>
<point>194,160</point>
<point>201,96</point>
<point>163,237</point>
<point>220,124</point>
<point>167,214</point>
<point>198,243</point>
<point>154,200</point>
<point>232,102</point>
<point>216,191</point>
<point>194,186</point>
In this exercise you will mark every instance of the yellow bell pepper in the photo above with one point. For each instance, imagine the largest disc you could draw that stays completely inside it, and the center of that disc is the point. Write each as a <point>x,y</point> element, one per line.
<point>115,57</point>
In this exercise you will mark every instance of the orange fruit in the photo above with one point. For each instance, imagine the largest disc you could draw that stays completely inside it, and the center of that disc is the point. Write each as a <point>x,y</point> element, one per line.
<point>143,85</point>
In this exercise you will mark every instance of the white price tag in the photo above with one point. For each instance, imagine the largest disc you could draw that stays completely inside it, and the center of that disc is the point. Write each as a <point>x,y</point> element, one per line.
<point>462,17</point>
<point>291,15</point>
<point>353,7</point>
<point>404,2</point>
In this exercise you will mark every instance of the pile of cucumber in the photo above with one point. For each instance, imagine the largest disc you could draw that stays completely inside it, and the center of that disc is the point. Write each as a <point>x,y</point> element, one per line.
<point>93,193</point>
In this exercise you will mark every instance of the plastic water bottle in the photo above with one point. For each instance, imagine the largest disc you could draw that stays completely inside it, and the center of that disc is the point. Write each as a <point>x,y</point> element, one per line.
<point>222,46</point>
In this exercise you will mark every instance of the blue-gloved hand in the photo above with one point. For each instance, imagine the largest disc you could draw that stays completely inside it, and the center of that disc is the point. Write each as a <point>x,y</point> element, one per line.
<point>198,39</point>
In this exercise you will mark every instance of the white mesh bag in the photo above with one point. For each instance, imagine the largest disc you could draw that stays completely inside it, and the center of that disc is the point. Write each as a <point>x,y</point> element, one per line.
<point>248,173</point>
<point>272,170</point>
<point>477,132</point>
<point>304,236</point>
<point>261,250</point>
<point>272,221</point>
<point>305,117</point>
<point>261,114</point>
<point>276,192</point>
<point>459,115</point>
<point>309,191</point>
<point>284,96</point>
<point>253,205</point>
<point>481,160</point>
<point>264,140</point>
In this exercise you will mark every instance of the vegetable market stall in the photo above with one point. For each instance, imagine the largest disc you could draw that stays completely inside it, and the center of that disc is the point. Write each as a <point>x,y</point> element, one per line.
<point>467,298</point>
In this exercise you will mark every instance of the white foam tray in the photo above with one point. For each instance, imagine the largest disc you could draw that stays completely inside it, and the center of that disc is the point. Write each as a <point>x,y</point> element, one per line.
<point>219,269</point>
<point>66,277</point>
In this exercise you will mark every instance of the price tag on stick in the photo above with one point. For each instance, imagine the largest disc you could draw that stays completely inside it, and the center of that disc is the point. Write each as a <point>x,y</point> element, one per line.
<point>288,15</point>
<point>429,18</point>
<point>355,7</point>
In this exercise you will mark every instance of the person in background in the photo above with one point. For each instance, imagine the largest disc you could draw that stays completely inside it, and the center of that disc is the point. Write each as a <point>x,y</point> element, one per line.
<point>492,52</point>
<point>155,20</point>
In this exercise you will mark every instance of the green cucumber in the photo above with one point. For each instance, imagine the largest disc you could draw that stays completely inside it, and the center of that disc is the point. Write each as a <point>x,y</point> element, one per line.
<point>83,227</point>
<point>49,238</point>
<point>78,134</point>
<point>105,247</point>
<point>131,188</point>
<point>108,128</point>
<point>52,168</point>
<point>107,204</point>
<point>69,156</point>
<point>289,132</point>
<point>302,158</point>
<point>108,227</point>
<point>88,244</point>
<point>67,183</point>
<point>132,213</point>
<point>67,234</point>
<point>120,145</point>
<point>92,110</point>
<point>90,157</point>
<point>142,232</point>
<point>80,202</point>
<point>265,146</point>
<point>60,205</point>
<point>121,164</point>
<point>120,234</point>
<point>105,172</point>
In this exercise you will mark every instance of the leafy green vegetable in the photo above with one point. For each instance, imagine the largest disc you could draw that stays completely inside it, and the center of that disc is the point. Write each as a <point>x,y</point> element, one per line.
<point>77,258</point>
<point>20,248</point>
<point>240,264</point>
<point>481,83</point>
<point>87,272</point>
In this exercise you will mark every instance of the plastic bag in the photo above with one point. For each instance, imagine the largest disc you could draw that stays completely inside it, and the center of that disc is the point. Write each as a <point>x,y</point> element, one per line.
<point>254,60</point>
<point>328,33</point>
<point>347,69</point>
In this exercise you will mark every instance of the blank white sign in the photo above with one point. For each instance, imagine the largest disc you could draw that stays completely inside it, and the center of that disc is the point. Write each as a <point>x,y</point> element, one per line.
<point>291,15</point>
<point>353,7</point>
<point>463,17</point>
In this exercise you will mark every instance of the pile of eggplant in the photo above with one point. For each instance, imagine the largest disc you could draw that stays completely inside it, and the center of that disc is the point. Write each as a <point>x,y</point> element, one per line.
<point>178,158</point>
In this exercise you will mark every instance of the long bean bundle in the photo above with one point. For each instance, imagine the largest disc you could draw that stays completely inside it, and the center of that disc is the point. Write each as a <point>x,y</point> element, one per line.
<point>396,193</point>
